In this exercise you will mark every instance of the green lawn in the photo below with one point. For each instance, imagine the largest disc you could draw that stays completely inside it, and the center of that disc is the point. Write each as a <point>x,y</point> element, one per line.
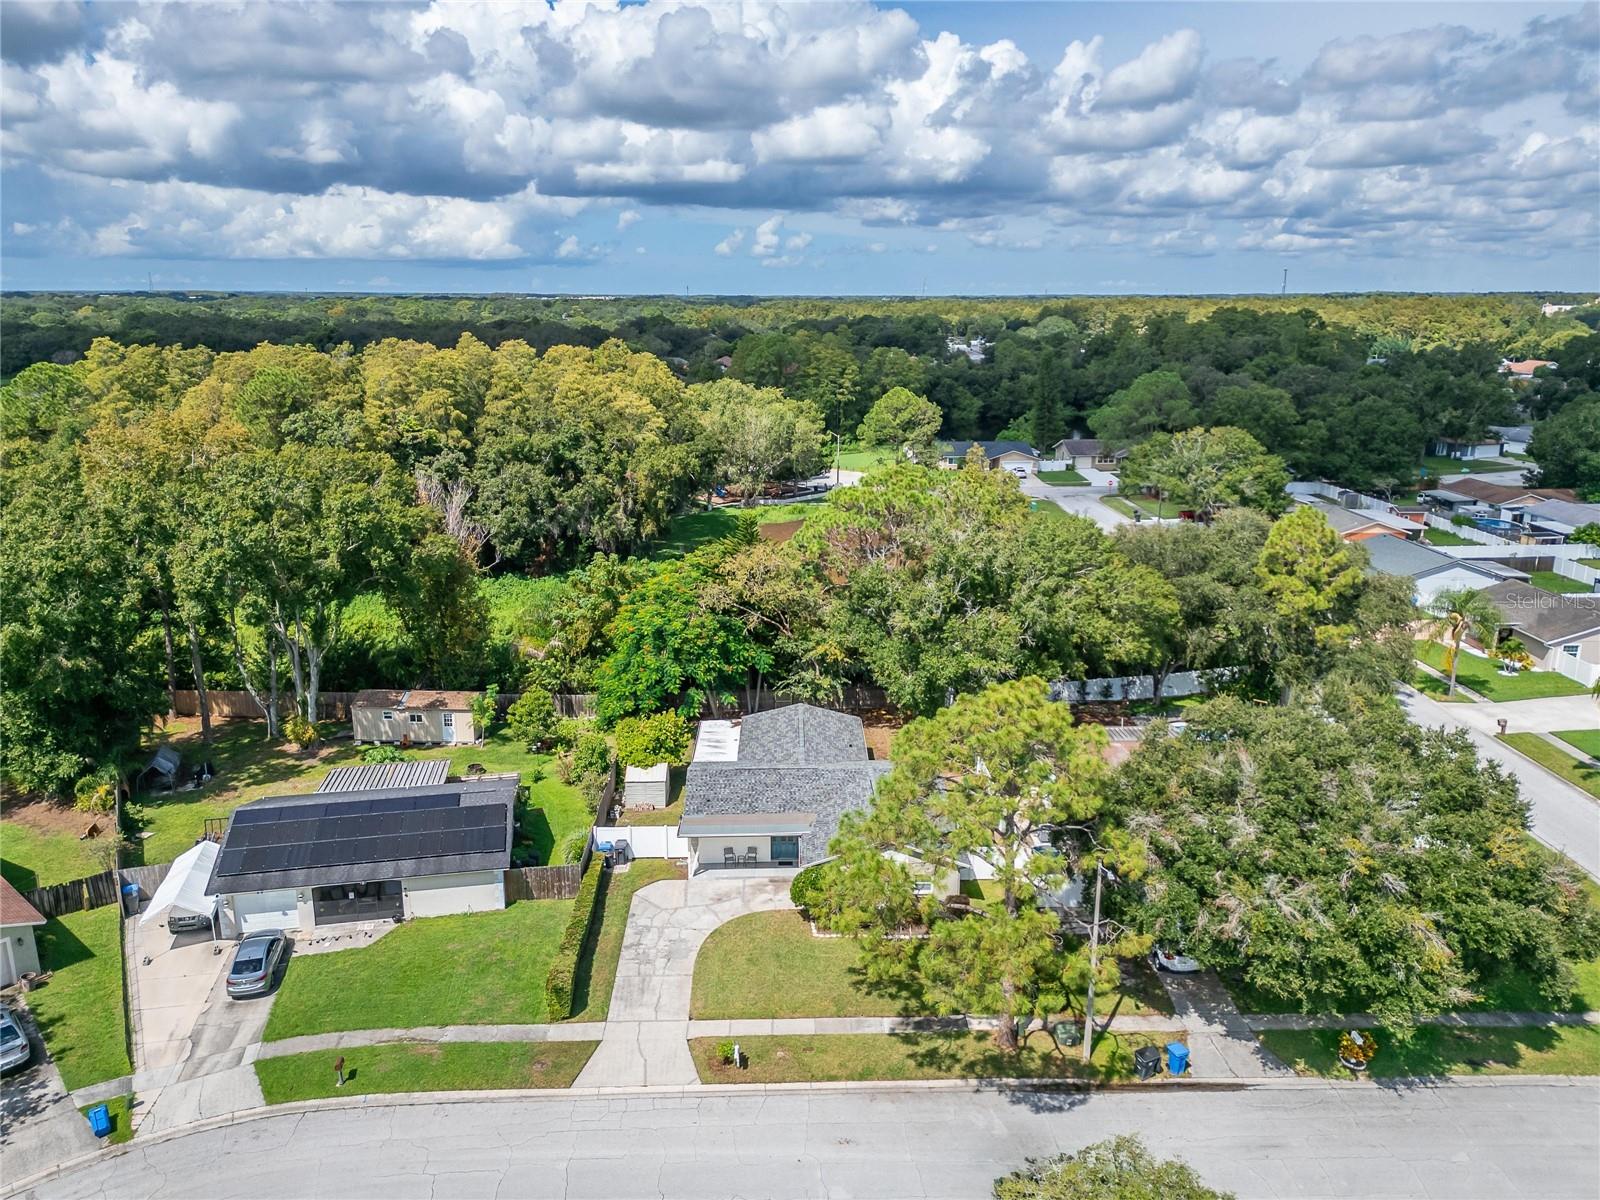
<point>769,964</point>
<point>597,968</point>
<point>1436,1050</point>
<point>1069,478</point>
<point>1443,537</point>
<point>1556,761</point>
<point>423,1067</point>
<point>670,815</point>
<point>1550,581</point>
<point>80,1011</point>
<point>828,1058</point>
<point>1585,741</point>
<point>36,857</point>
<point>1127,505</point>
<point>1435,465</point>
<point>1048,509</point>
<point>1591,562</point>
<point>1432,685</point>
<point>862,460</point>
<point>470,969</point>
<point>1484,677</point>
<point>693,530</point>
<point>249,768</point>
<point>121,1123</point>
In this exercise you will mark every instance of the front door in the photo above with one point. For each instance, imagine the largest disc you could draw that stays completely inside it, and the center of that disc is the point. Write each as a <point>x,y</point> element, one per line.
<point>786,851</point>
<point>449,727</point>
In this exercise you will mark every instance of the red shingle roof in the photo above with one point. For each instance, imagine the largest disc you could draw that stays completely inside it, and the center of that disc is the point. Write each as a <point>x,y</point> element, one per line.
<point>14,910</point>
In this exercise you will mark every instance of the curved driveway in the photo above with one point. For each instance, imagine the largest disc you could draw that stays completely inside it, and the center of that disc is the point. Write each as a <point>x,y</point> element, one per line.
<point>1462,1141</point>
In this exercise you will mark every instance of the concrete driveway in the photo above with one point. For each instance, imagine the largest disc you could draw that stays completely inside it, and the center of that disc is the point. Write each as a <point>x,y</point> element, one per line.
<point>1080,501</point>
<point>1531,716</point>
<point>167,995</point>
<point>39,1124</point>
<point>647,1028</point>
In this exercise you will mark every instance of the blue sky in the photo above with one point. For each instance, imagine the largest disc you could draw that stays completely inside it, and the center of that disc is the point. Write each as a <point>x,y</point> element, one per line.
<point>780,148</point>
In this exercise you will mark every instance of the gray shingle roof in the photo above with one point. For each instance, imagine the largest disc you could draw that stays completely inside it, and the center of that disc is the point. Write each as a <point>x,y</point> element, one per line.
<point>1546,616</point>
<point>1562,511</point>
<point>994,449</point>
<point>801,733</point>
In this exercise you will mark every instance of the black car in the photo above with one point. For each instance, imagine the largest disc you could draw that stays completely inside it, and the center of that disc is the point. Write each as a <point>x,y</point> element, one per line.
<point>256,964</point>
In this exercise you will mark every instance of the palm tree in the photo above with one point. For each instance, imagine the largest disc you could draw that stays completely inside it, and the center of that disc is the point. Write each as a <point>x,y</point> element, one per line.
<point>1455,613</point>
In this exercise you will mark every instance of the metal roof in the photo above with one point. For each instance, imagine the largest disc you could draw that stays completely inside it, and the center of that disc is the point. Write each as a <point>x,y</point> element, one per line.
<point>426,772</point>
<point>716,741</point>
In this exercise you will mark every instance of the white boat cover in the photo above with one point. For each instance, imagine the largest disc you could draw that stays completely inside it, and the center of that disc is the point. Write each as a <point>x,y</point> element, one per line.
<point>184,888</point>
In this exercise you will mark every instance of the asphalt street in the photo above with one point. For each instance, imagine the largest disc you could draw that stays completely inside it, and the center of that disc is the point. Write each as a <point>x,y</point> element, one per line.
<point>1535,1139</point>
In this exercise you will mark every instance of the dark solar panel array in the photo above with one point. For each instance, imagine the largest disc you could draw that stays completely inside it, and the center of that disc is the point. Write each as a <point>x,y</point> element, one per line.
<point>348,832</point>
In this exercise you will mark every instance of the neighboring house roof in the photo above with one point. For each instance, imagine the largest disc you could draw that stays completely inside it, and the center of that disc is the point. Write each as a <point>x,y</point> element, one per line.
<point>1394,556</point>
<point>414,700</point>
<point>1499,493</point>
<point>994,449</point>
<point>15,909</point>
<point>1526,366</point>
<point>1562,512</point>
<point>801,766</point>
<point>1513,433</point>
<point>318,840</point>
<point>1450,441</point>
<point>1350,520</point>
<point>425,772</point>
<point>1073,447</point>
<point>1547,617</point>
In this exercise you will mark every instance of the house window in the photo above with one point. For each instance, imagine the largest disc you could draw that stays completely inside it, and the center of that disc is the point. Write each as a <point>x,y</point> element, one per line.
<point>1570,649</point>
<point>449,720</point>
<point>388,716</point>
<point>416,718</point>
<point>922,888</point>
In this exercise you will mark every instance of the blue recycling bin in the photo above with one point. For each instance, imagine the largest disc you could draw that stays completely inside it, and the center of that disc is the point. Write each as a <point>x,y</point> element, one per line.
<point>99,1120</point>
<point>1177,1058</point>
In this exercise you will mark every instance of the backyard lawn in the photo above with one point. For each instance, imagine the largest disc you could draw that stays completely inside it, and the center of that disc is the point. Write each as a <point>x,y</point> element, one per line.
<point>1556,761</point>
<point>1483,677</point>
<point>79,1011</point>
<point>770,964</point>
<point>1550,581</point>
<point>469,969</point>
<point>1441,1050</point>
<point>597,968</point>
<point>1443,537</point>
<point>423,1067</point>
<point>249,768</point>
<point>693,530</point>
<point>828,1058</point>
<point>862,460</point>
<point>1069,478</point>
<point>40,843</point>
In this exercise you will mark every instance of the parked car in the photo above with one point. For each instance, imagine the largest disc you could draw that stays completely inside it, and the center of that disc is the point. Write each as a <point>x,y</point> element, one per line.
<point>188,923</point>
<point>14,1048</point>
<point>256,964</point>
<point>1166,960</point>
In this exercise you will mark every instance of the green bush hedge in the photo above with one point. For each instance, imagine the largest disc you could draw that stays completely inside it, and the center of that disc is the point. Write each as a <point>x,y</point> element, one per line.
<point>558,984</point>
<point>806,888</point>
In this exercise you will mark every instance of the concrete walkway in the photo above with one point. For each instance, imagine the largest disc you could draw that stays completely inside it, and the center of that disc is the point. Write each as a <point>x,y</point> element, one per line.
<point>1222,1045</point>
<point>647,1028</point>
<point>1564,817</point>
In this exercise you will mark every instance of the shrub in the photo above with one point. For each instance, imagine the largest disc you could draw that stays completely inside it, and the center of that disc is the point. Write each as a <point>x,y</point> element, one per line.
<point>532,719</point>
<point>1118,1166</point>
<point>725,1053</point>
<point>570,729</point>
<point>96,793</point>
<point>591,755</point>
<point>383,754</point>
<point>646,741</point>
<point>300,732</point>
<point>569,849</point>
<point>563,974</point>
<point>807,889</point>
<point>1460,522</point>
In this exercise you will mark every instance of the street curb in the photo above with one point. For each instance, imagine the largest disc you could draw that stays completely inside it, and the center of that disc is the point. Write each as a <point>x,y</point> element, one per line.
<point>701,1091</point>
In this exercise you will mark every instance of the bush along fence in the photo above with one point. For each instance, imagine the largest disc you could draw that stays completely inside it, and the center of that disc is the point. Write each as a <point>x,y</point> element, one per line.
<point>559,983</point>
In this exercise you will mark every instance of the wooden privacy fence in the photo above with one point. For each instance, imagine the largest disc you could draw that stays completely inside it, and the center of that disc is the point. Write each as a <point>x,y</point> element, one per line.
<point>94,891</point>
<point>543,883</point>
<point>148,878</point>
<point>335,706</point>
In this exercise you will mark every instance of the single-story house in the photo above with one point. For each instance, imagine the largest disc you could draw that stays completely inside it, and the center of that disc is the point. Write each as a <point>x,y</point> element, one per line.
<point>646,787</point>
<point>1078,453</point>
<point>1431,571</point>
<point>1450,500</point>
<point>777,801</point>
<point>414,716</point>
<point>1523,368</point>
<point>1514,439</point>
<point>1016,457</point>
<point>1499,495</point>
<point>1560,632</point>
<point>1465,449</point>
<point>302,862</point>
<point>1558,517</point>
<point>19,955</point>
<point>1360,524</point>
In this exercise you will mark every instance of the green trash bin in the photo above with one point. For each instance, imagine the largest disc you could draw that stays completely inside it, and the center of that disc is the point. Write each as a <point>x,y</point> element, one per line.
<point>1067,1033</point>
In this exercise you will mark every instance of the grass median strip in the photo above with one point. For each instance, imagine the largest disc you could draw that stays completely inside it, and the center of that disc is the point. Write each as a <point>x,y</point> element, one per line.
<point>850,1057</point>
<point>1555,760</point>
<point>423,1067</point>
<point>1437,1050</point>
<point>1584,741</point>
<point>121,1121</point>
<point>79,1012</point>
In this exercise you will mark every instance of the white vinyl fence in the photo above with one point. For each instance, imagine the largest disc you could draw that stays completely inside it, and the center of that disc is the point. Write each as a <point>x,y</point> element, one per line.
<point>644,841</point>
<point>1471,532</point>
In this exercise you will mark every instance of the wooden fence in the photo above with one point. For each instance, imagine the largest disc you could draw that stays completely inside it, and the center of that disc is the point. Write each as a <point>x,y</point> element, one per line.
<point>148,877</point>
<point>335,706</point>
<point>59,899</point>
<point>543,883</point>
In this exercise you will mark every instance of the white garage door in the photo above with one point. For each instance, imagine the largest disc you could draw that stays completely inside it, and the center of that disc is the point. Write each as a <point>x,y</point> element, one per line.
<point>261,911</point>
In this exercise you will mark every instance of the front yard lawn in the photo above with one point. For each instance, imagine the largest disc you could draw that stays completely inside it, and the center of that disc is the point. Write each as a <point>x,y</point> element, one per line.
<point>1585,741</point>
<point>831,1058</point>
<point>1484,677</point>
<point>1128,503</point>
<point>1556,761</point>
<point>1435,465</point>
<point>597,968</point>
<point>770,964</point>
<point>1068,478</point>
<point>423,1067</point>
<point>1434,687</point>
<point>79,1011</point>
<point>1550,581</point>
<point>1441,1050</point>
<point>121,1122</point>
<point>469,969</point>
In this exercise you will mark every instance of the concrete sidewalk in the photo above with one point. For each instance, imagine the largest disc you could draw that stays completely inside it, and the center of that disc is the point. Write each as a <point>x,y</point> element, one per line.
<point>577,1031</point>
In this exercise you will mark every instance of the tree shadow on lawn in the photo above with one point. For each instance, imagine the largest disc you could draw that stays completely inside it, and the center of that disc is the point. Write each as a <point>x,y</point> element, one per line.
<point>905,991</point>
<point>1432,1053</point>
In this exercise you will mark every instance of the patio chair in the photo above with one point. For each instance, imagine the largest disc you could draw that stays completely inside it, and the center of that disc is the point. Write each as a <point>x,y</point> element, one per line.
<point>750,855</point>
<point>729,858</point>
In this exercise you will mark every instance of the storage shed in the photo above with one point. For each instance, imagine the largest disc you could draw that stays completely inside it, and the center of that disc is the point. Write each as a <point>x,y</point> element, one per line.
<point>646,787</point>
<point>413,717</point>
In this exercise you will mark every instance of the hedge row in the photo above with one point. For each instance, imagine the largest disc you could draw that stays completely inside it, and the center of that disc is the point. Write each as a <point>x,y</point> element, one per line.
<point>559,982</point>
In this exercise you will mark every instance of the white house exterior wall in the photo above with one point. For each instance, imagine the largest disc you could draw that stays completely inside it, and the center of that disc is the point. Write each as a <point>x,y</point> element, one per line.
<point>707,851</point>
<point>1430,586</point>
<point>440,895</point>
<point>369,726</point>
<point>18,953</point>
<point>257,912</point>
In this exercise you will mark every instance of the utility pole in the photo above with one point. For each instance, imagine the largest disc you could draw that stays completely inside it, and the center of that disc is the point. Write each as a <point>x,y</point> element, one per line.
<point>1094,960</point>
<point>1285,290</point>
